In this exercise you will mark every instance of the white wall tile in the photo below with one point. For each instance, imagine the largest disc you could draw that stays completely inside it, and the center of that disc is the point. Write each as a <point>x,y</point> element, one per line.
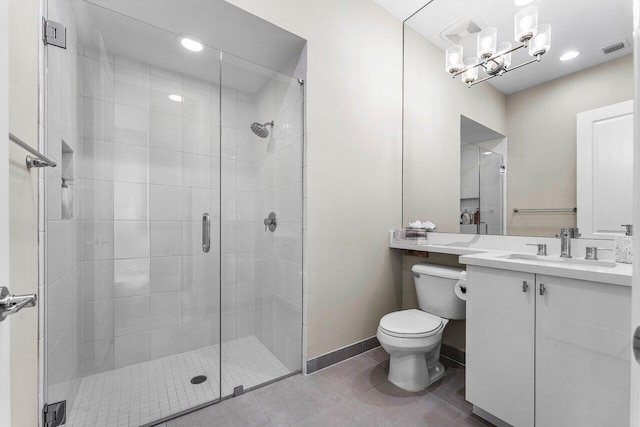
<point>165,202</point>
<point>165,167</point>
<point>166,342</point>
<point>228,235</point>
<point>132,277</point>
<point>228,112</point>
<point>197,201</point>
<point>245,146</point>
<point>97,356</point>
<point>196,104</point>
<point>246,114</point>
<point>245,175</point>
<point>166,274</point>
<point>228,175</point>
<point>197,137</point>
<point>228,206</point>
<point>288,202</point>
<point>132,315</point>
<point>97,320</point>
<point>130,163</point>
<point>131,349</point>
<point>228,143</point>
<point>165,238</point>
<point>131,125</point>
<point>97,280</point>
<point>96,161</point>
<point>131,239</point>
<point>131,87</point>
<point>198,304</point>
<point>196,335</point>
<point>246,206</point>
<point>166,309</point>
<point>228,268</point>
<point>196,170</point>
<point>201,271</point>
<point>165,131</point>
<point>130,201</point>
<point>161,88</point>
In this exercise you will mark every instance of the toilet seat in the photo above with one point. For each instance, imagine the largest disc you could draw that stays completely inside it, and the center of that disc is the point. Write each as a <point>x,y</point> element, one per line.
<point>411,324</point>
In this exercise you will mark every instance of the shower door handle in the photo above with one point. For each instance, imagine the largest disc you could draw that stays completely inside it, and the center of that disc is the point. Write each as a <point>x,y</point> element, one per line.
<point>206,233</point>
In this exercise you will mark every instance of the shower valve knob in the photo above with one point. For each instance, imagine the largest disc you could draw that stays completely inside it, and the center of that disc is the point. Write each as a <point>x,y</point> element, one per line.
<point>270,222</point>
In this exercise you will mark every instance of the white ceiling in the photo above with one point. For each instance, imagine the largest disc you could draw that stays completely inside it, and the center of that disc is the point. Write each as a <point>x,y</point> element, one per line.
<point>402,9</point>
<point>473,132</point>
<point>586,26</point>
<point>146,30</point>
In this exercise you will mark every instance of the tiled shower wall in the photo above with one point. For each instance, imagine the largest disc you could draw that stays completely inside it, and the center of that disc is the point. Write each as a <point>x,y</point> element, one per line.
<point>279,160</point>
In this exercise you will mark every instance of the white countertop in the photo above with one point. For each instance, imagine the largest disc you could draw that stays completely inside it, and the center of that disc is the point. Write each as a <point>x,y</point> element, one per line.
<point>491,251</point>
<point>619,275</point>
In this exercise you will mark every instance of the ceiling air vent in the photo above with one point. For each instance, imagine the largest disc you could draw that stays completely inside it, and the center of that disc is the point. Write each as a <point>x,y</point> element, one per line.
<point>612,48</point>
<point>457,32</point>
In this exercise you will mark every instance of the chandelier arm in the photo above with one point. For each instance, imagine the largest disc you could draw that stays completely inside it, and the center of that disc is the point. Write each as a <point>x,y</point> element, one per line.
<point>492,58</point>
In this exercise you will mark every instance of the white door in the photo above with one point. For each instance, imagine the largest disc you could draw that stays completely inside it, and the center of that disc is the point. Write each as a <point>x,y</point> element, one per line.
<point>635,292</point>
<point>605,169</point>
<point>5,383</point>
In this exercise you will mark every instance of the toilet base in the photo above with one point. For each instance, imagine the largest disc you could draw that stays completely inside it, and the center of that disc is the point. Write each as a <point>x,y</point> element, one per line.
<point>410,372</point>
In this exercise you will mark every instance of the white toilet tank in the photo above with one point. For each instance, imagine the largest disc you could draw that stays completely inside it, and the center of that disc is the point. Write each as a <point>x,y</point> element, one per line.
<point>435,288</point>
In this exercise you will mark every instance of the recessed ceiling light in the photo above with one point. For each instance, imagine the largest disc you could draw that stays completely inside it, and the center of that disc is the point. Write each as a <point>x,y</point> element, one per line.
<point>190,43</point>
<point>522,2</point>
<point>175,98</point>
<point>569,55</point>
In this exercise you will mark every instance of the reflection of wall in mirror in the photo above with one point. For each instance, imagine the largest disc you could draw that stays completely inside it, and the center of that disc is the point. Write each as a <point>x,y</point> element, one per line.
<point>542,141</point>
<point>431,164</point>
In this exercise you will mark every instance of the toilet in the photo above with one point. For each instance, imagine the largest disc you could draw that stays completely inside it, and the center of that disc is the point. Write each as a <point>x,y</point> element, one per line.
<point>412,337</point>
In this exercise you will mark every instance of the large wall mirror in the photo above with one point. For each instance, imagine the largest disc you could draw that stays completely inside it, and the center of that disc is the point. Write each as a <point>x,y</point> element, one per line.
<point>532,148</point>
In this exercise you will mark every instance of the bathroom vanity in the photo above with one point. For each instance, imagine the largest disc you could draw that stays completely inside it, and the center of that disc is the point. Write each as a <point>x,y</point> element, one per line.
<point>547,342</point>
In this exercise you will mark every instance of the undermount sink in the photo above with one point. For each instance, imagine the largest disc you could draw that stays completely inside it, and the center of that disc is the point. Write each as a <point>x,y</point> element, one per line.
<point>579,261</point>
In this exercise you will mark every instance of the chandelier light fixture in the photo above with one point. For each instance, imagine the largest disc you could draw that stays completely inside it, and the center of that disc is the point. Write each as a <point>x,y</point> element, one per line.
<point>495,58</point>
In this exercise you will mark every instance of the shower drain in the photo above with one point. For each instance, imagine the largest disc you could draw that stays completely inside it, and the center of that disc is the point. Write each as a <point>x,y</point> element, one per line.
<point>198,379</point>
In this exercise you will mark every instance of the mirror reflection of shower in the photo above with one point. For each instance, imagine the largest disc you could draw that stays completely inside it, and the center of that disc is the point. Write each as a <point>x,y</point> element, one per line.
<point>261,129</point>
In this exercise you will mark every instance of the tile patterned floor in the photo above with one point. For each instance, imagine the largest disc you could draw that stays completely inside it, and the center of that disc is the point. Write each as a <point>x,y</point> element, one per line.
<point>355,392</point>
<point>139,394</point>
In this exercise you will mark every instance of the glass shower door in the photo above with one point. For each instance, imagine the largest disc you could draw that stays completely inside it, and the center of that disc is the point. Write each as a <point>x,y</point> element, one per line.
<point>132,300</point>
<point>261,228</point>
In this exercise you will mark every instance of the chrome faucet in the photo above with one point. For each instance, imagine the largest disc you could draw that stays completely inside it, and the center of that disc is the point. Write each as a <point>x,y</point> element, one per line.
<point>565,236</point>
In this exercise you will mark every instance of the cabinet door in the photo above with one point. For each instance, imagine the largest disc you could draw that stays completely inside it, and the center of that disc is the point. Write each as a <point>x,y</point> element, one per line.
<point>500,343</point>
<point>582,353</point>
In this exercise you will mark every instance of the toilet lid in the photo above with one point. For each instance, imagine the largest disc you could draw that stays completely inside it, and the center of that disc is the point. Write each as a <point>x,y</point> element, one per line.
<point>410,324</point>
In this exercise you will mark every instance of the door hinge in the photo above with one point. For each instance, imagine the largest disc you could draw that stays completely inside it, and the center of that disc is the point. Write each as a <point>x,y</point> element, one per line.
<point>54,414</point>
<point>54,33</point>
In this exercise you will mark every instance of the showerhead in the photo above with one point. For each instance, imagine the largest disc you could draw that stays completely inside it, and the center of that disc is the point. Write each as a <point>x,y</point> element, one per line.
<point>261,130</point>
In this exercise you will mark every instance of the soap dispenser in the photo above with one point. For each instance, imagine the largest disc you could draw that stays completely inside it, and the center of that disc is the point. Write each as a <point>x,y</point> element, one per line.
<point>623,246</point>
<point>67,200</point>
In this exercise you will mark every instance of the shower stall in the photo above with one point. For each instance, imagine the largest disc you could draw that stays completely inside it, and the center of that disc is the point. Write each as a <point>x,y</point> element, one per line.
<point>173,223</point>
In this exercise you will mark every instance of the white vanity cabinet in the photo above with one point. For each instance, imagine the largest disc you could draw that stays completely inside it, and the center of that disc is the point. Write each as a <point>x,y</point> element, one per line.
<point>547,351</point>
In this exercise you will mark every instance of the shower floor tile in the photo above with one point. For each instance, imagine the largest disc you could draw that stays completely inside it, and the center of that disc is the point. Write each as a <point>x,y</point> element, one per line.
<point>142,393</point>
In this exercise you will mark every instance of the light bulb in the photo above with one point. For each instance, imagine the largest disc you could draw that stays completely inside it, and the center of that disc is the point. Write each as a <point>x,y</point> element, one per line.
<point>454,59</point>
<point>506,57</point>
<point>541,43</point>
<point>471,75</point>
<point>487,40</point>
<point>525,23</point>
